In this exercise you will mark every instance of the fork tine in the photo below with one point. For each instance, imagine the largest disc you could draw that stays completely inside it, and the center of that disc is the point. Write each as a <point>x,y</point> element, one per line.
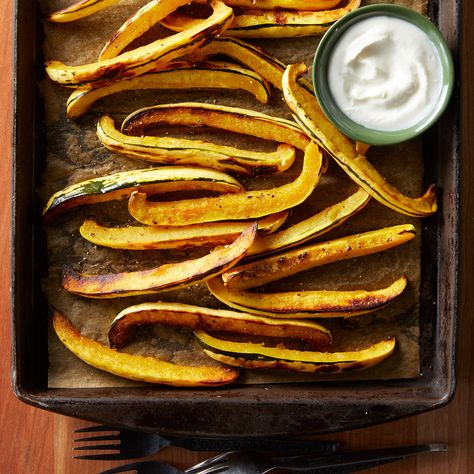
<point>214,469</point>
<point>99,438</point>
<point>97,447</point>
<point>123,468</point>
<point>90,429</point>
<point>206,463</point>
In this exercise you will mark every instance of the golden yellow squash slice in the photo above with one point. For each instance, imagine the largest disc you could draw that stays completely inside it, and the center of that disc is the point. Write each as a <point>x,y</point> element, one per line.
<point>248,205</point>
<point>232,119</point>
<point>120,185</point>
<point>312,227</point>
<point>308,114</point>
<point>307,304</point>
<point>135,367</point>
<point>288,263</point>
<point>257,356</point>
<point>145,58</point>
<point>166,277</point>
<point>181,151</point>
<point>80,9</point>
<point>196,317</point>
<point>311,5</point>
<point>276,23</point>
<point>175,75</point>
<point>157,237</point>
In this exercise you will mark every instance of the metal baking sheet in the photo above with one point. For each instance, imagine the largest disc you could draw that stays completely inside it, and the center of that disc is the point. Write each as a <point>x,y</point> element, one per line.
<point>237,410</point>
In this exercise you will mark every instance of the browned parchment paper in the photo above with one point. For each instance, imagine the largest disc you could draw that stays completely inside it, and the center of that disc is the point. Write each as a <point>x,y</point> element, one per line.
<point>74,154</point>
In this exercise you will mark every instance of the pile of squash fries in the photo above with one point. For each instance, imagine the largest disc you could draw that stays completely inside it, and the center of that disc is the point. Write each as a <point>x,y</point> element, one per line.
<point>242,227</point>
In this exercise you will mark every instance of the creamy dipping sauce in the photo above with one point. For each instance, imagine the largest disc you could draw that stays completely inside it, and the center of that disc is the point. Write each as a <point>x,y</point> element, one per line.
<point>385,73</point>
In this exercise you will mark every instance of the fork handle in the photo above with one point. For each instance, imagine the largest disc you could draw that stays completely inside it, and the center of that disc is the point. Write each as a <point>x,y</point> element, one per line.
<point>355,460</point>
<point>257,444</point>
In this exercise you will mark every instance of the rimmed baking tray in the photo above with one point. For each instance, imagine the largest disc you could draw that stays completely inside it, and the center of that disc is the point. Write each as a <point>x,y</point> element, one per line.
<point>251,410</point>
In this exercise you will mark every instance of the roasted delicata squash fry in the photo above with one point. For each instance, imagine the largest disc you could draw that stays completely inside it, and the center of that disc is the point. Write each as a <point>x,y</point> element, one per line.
<point>308,114</point>
<point>176,75</point>
<point>138,24</point>
<point>253,57</point>
<point>307,304</point>
<point>248,205</point>
<point>255,356</point>
<point>196,317</point>
<point>120,185</point>
<point>310,5</point>
<point>80,9</point>
<point>135,367</point>
<point>233,119</point>
<point>168,150</point>
<point>166,277</point>
<point>156,237</point>
<point>143,59</point>
<point>312,227</point>
<point>289,263</point>
<point>270,24</point>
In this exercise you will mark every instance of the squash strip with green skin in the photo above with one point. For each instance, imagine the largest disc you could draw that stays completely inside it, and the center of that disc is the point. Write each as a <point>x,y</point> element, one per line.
<point>176,75</point>
<point>312,227</point>
<point>170,276</point>
<point>145,58</point>
<point>310,5</point>
<point>255,356</point>
<point>139,23</point>
<point>248,205</point>
<point>168,150</point>
<point>308,114</point>
<point>120,185</point>
<point>156,237</point>
<point>307,304</point>
<point>233,119</point>
<point>79,9</point>
<point>135,367</point>
<point>270,24</point>
<point>196,317</point>
<point>284,264</point>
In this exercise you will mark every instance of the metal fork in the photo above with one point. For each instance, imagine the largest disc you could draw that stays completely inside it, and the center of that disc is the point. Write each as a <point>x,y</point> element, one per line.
<point>248,462</point>
<point>130,444</point>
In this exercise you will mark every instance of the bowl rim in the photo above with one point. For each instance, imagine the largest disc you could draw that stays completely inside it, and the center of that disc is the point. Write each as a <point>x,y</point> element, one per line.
<point>331,110</point>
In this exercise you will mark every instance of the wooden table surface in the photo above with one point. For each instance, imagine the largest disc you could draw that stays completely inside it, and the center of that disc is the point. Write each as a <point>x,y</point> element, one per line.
<point>35,441</point>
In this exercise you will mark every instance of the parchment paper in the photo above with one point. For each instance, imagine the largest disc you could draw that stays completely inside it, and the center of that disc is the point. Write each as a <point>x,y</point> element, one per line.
<point>74,154</point>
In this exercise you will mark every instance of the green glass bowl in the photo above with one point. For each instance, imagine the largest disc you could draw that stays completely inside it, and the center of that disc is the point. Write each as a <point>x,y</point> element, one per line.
<point>320,69</point>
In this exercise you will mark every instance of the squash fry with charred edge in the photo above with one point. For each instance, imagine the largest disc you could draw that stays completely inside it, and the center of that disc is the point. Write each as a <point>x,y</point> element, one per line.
<point>270,24</point>
<point>308,114</point>
<point>307,304</point>
<point>248,205</point>
<point>139,23</point>
<point>120,185</point>
<point>176,75</point>
<point>310,5</point>
<point>80,9</point>
<point>135,367</point>
<point>233,119</point>
<point>143,59</point>
<point>156,237</point>
<point>166,277</point>
<point>256,356</point>
<point>181,151</point>
<point>281,265</point>
<point>312,227</point>
<point>196,317</point>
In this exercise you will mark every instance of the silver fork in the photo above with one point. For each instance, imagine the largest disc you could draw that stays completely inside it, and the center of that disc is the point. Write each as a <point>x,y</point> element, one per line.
<point>157,467</point>
<point>128,444</point>
<point>248,462</point>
